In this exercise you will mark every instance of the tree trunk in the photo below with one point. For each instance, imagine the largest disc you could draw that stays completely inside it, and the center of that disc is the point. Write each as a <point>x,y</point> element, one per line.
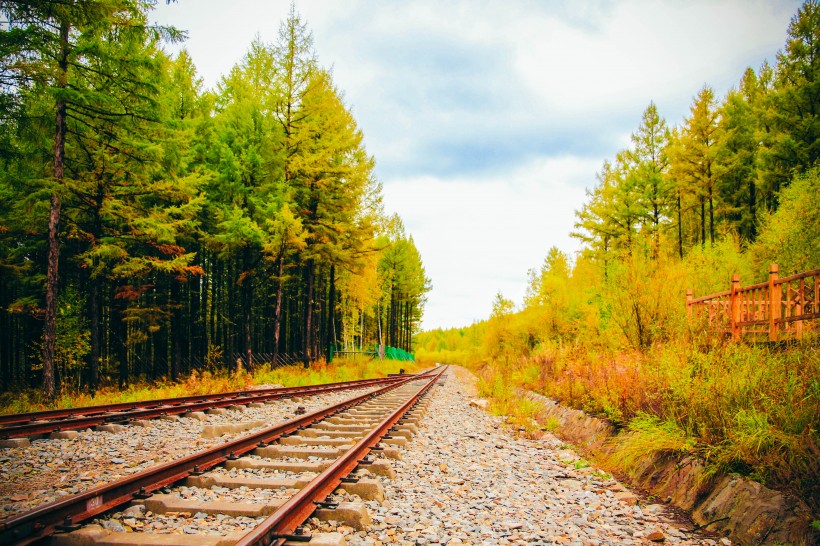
<point>331,318</point>
<point>277,313</point>
<point>307,342</point>
<point>656,220</point>
<point>703,222</point>
<point>94,314</point>
<point>247,309</point>
<point>752,211</point>
<point>680,228</point>
<point>122,345</point>
<point>176,328</point>
<point>711,218</point>
<point>52,273</point>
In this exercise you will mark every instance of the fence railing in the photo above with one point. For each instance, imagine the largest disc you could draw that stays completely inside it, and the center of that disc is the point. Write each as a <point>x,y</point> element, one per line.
<point>778,308</point>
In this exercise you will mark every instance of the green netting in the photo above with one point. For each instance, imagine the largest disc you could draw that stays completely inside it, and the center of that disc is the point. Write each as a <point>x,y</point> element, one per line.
<point>390,353</point>
<point>397,354</point>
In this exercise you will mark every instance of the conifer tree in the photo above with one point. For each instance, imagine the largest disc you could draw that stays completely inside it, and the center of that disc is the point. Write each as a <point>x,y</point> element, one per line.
<point>57,49</point>
<point>736,162</point>
<point>792,144</point>
<point>695,158</point>
<point>246,170</point>
<point>648,166</point>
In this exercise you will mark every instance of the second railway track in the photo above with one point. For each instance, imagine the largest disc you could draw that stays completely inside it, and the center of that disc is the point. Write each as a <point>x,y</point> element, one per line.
<point>21,425</point>
<point>256,489</point>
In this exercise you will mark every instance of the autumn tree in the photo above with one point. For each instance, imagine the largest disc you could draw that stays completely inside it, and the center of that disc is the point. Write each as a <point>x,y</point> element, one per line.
<point>694,159</point>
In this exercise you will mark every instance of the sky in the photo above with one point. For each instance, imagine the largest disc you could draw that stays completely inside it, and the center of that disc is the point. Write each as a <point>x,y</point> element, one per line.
<point>489,120</point>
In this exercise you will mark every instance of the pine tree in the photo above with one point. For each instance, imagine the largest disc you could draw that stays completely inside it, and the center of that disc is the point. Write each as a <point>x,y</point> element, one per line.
<point>57,49</point>
<point>248,172</point>
<point>792,144</point>
<point>694,159</point>
<point>736,162</point>
<point>647,169</point>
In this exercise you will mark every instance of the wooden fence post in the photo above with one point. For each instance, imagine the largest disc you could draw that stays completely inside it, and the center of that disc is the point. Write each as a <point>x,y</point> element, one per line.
<point>734,307</point>
<point>798,308</point>
<point>690,294</point>
<point>774,302</point>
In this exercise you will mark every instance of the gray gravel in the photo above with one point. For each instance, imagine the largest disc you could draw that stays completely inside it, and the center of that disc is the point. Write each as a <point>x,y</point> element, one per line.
<point>467,479</point>
<point>50,469</point>
<point>135,519</point>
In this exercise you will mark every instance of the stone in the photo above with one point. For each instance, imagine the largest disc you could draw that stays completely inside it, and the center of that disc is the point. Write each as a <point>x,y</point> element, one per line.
<point>627,498</point>
<point>352,514</point>
<point>64,435</point>
<point>656,536</point>
<point>134,511</point>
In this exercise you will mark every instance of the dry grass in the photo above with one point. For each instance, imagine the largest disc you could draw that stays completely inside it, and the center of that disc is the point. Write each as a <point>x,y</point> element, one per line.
<point>208,383</point>
<point>752,410</point>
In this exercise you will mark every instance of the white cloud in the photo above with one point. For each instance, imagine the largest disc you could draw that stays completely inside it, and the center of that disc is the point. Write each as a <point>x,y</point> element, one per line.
<point>644,51</point>
<point>479,236</point>
<point>488,119</point>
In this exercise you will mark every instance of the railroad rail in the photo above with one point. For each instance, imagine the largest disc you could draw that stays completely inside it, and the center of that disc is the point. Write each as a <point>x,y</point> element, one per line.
<point>31,424</point>
<point>376,412</point>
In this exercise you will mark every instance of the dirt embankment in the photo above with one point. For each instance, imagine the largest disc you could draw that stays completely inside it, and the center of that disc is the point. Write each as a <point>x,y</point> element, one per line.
<point>744,510</point>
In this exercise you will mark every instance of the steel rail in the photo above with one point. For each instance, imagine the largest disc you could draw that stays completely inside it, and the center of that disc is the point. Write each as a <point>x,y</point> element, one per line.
<point>15,418</point>
<point>279,526</point>
<point>43,521</point>
<point>34,428</point>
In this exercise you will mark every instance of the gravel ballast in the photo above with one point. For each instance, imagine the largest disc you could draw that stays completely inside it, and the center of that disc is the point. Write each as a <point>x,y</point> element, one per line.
<point>48,469</point>
<point>467,478</point>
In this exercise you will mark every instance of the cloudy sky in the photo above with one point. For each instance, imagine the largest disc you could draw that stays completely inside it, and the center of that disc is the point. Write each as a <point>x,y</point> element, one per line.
<point>489,119</point>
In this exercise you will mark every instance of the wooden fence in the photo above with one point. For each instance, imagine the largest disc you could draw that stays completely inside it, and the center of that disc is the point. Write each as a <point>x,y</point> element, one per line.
<point>777,308</point>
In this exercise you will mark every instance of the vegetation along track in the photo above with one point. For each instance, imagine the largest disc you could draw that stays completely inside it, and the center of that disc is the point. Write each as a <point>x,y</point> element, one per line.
<point>20,425</point>
<point>281,484</point>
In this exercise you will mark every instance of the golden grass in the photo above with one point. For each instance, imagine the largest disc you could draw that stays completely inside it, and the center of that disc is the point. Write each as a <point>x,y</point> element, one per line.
<point>208,383</point>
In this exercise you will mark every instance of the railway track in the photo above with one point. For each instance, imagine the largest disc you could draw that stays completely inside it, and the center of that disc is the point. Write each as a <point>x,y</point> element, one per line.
<point>22,425</point>
<point>257,489</point>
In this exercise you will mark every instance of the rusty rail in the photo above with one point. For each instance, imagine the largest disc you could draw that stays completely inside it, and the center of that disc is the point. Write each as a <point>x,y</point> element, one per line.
<point>298,508</point>
<point>778,308</point>
<point>43,521</point>
<point>29,424</point>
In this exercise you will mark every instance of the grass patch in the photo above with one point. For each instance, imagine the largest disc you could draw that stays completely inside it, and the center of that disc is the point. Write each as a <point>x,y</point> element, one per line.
<point>520,411</point>
<point>648,435</point>
<point>551,424</point>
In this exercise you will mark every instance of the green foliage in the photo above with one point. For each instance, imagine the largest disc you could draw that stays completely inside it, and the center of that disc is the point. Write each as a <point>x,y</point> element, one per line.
<point>792,143</point>
<point>201,224</point>
<point>450,346</point>
<point>790,235</point>
<point>72,339</point>
<point>649,435</point>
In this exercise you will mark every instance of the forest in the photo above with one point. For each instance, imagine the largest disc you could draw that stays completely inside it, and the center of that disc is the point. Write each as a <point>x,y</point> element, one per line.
<point>150,227</point>
<point>730,189</point>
